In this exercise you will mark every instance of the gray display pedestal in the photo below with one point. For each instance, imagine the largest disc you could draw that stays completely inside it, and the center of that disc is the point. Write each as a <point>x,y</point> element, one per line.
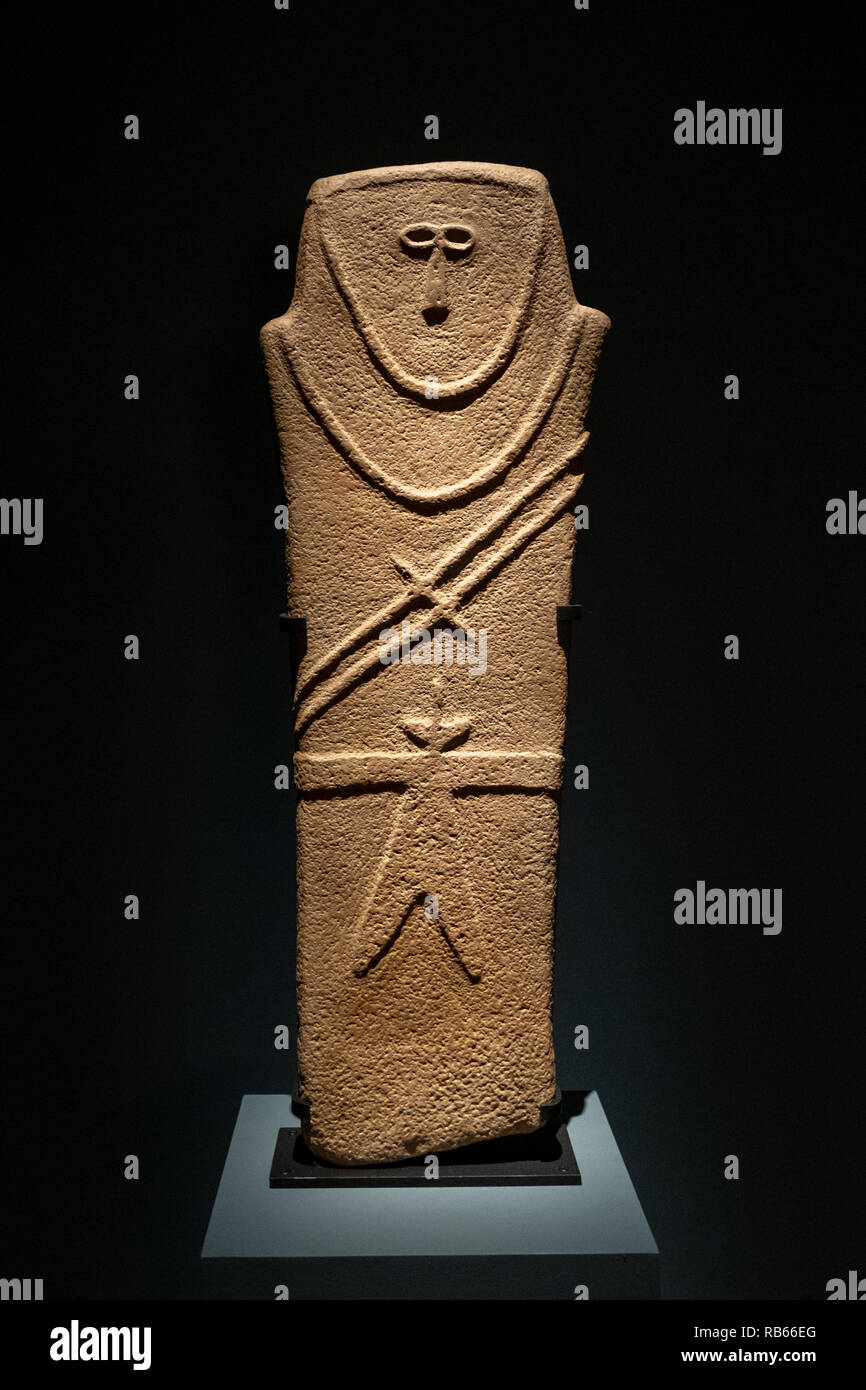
<point>427,1241</point>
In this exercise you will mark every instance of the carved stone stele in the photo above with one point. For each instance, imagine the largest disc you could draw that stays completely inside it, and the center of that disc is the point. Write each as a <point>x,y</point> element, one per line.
<point>430,382</point>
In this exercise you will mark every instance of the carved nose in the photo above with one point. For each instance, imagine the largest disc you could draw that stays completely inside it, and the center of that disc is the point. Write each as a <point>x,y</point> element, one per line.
<point>436,245</point>
<point>435,307</point>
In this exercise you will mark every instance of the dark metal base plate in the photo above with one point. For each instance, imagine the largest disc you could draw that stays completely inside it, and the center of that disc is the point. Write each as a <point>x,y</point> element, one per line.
<point>542,1159</point>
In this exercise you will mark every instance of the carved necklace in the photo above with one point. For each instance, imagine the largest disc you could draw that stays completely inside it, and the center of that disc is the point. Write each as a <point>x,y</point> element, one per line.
<point>492,468</point>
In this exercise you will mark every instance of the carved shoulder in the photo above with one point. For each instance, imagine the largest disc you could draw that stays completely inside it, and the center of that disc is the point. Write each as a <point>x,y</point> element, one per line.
<point>273,340</point>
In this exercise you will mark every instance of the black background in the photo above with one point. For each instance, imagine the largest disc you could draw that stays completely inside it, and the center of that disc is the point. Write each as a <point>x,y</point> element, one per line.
<point>707,518</point>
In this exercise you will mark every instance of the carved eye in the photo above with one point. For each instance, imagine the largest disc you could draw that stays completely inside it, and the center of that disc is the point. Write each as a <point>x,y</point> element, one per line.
<point>457,241</point>
<point>418,237</point>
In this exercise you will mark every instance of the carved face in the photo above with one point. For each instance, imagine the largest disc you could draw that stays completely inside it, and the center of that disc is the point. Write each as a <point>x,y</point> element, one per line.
<point>436,244</point>
<point>437,270</point>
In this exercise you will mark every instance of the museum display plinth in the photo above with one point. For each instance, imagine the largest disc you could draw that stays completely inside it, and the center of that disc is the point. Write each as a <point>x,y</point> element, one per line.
<point>427,1239</point>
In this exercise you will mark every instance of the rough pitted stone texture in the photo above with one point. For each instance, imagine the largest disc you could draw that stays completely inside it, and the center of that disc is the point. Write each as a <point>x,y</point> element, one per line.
<point>429,381</point>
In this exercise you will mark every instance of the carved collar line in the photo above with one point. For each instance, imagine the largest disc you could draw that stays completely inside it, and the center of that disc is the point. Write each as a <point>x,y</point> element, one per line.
<point>491,469</point>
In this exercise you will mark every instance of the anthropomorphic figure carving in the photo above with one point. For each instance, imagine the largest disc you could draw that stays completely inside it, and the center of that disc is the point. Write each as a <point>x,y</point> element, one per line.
<point>430,382</point>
